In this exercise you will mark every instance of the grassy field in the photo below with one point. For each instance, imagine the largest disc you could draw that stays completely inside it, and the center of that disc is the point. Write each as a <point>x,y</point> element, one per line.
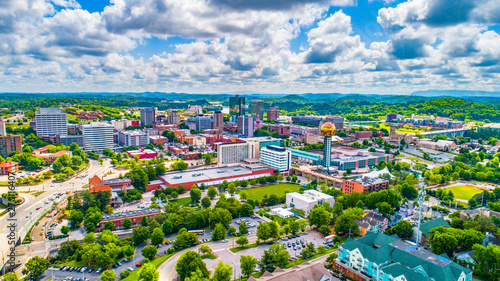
<point>257,193</point>
<point>463,192</point>
<point>181,202</point>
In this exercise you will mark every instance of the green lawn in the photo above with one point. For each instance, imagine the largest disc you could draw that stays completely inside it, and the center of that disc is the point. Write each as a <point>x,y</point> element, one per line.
<point>181,202</point>
<point>463,192</point>
<point>257,193</point>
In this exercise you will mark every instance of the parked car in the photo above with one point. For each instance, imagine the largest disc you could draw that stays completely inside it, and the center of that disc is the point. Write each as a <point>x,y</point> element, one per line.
<point>98,270</point>
<point>138,264</point>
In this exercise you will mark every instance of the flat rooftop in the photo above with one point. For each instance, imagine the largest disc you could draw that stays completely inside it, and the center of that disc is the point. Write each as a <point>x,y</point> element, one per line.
<point>116,180</point>
<point>130,214</point>
<point>205,174</point>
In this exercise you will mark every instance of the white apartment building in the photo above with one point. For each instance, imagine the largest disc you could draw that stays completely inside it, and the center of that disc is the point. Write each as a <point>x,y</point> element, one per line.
<point>308,200</point>
<point>276,157</point>
<point>235,152</point>
<point>136,138</point>
<point>51,122</point>
<point>97,136</point>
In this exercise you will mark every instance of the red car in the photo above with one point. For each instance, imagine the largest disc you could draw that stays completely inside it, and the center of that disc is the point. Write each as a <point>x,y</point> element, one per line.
<point>38,208</point>
<point>138,264</point>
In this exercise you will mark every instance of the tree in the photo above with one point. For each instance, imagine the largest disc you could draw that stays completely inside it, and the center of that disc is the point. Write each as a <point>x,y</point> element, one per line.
<point>231,188</point>
<point>195,194</point>
<point>208,160</point>
<point>35,267</point>
<point>344,224</point>
<point>127,223</point>
<point>167,227</point>
<point>488,260</point>
<point>220,215</point>
<point>325,230</point>
<point>184,240</point>
<point>242,241</point>
<point>109,225</point>
<point>10,276</point>
<point>243,229</point>
<point>75,217</point>
<point>248,264</point>
<point>443,243</point>
<point>149,252</point>
<point>243,195</point>
<point>160,169</point>
<point>385,209</point>
<point>231,231</point>
<point>276,256</point>
<point>64,230</point>
<point>144,220</point>
<point>403,229</point>
<point>409,191</point>
<point>179,166</point>
<point>222,272</point>
<point>219,232</point>
<point>190,262</point>
<point>212,192</point>
<point>263,231</point>
<point>294,227</point>
<point>108,275</point>
<point>206,202</point>
<point>318,216</point>
<point>140,234</point>
<point>308,251</point>
<point>157,236</point>
<point>148,272</point>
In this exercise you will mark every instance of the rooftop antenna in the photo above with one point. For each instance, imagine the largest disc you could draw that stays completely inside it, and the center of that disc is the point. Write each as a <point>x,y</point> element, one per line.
<point>420,202</point>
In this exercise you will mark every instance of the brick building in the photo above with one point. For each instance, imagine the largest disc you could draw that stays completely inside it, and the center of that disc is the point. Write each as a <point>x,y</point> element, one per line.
<point>7,167</point>
<point>363,134</point>
<point>118,219</point>
<point>364,184</point>
<point>10,143</point>
<point>283,130</point>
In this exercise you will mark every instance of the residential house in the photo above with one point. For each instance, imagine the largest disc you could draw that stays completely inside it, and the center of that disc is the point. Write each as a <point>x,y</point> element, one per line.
<point>425,227</point>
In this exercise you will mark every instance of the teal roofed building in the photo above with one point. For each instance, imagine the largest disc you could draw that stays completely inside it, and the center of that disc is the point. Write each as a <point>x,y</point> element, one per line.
<point>308,157</point>
<point>387,258</point>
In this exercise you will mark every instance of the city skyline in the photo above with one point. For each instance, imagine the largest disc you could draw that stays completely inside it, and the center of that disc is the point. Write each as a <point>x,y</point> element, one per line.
<point>223,46</point>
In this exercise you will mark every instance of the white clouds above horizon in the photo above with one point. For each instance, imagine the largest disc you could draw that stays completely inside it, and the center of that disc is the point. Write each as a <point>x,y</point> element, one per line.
<point>245,45</point>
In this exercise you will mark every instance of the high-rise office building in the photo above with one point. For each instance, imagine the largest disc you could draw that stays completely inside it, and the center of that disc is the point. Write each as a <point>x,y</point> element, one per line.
<point>218,121</point>
<point>257,108</point>
<point>51,122</point>
<point>147,116</point>
<point>97,136</point>
<point>203,122</point>
<point>233,152</point>
<point>10,143</point>
<point>236,107</point>
<point>173,116</point>
<point>276,157</point>
<point>245,125</point>
<point>273,114</point>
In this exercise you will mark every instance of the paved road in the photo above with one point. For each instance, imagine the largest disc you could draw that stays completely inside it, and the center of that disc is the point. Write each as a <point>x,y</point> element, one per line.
<point>27,215</point>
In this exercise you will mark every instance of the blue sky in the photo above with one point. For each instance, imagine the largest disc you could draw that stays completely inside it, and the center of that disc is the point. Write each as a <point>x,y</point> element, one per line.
<point>225,46</point>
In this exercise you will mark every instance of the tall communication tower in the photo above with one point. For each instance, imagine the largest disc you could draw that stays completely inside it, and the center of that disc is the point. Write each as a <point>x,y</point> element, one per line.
<point>421,194</point>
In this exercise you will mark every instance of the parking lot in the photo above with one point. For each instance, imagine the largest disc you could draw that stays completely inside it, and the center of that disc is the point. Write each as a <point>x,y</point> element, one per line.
<point>233,259</point>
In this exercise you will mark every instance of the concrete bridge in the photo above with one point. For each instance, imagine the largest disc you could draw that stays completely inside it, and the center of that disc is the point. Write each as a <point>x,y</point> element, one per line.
<point>313,175</point>
<point>449,133</point>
